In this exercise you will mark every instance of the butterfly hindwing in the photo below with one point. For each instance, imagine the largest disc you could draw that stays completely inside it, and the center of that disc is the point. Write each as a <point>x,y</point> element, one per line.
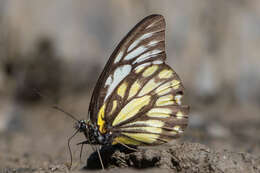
<point>138,97</point>
<point>150,110</point>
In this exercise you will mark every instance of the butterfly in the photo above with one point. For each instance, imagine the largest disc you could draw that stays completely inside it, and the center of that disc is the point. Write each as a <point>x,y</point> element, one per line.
<point>137,98</point>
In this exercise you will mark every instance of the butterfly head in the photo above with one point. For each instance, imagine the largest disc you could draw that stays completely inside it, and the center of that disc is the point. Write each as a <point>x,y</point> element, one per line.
<point>81,125</point>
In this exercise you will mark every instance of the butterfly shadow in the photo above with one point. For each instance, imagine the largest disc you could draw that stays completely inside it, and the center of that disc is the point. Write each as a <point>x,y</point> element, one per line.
<point>108,156</point>
<point>119,156</point>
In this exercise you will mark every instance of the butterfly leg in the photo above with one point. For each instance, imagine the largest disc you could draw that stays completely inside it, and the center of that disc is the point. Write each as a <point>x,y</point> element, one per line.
<point>83,142</point>
<point>81,149</point>
<point>100,158</point>
<point>94,149</point>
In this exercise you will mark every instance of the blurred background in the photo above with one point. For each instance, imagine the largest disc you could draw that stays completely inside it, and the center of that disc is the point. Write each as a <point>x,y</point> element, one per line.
<point>60,48</point>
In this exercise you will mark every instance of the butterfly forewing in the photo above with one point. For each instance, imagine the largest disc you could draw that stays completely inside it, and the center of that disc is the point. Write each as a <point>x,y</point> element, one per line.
<point>142,45</point>
<point>138,97</point>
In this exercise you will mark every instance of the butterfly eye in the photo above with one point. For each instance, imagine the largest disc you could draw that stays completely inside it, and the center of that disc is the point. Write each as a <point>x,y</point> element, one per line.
<point>81,125</point>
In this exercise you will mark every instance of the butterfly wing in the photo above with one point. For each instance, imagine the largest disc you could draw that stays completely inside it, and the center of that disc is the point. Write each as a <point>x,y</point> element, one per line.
<point>140,41</point>
<point>137,97</point>
<point>146,108</point>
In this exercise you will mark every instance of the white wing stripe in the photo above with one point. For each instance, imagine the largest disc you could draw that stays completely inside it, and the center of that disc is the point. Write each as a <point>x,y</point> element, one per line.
<point>147,55</point>
<point>108,81</point>
<point>153,42</point>
<point>136,42</point>
<point>119,56</point>
<point>152,24</point>
<point>142,65</point>
<point>157,62</point>
<point>119,74</point>
<point>135,52</point>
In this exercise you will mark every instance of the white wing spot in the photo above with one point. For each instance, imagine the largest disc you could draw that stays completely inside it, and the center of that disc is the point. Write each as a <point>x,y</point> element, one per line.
<point>108,81</point>
<point>153,42</point>
<point>135,52</point>
<point>157,62</point>
<point>178,99</point>
<point>119,74</point>
<point>136,42</point>
<point>177,129</point>
<point>119,56</point>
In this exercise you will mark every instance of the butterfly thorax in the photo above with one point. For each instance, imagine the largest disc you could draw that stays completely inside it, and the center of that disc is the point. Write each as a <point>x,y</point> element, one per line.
<point>92,133</point>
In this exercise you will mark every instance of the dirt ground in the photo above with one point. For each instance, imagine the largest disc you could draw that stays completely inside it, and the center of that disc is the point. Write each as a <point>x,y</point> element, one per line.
<point>37,142</point>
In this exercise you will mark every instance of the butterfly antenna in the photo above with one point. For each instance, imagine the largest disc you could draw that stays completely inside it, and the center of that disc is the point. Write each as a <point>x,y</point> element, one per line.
<point>37,91</point>
<point>70,148</point>
<point>68,114</point>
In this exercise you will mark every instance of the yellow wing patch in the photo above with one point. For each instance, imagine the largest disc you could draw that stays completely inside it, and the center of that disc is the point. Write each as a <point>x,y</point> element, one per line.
<point>101,121</point>
<point>134,89</point>
<point>175,84</point>
<point>125,140</point>
<point>143,137</point>
<point>163,92</point>
<point>151,123</point>
<point>166,87</point>
<point>144,131</point>
<point>150,70</point>
<point>161,110</point>
<point>113,107</point>
<point>121,89</point>
<point>179,115</point>
<point>131,109</point>
<point>166,73</point>
<point>159,113</point>
<point>165,100</point>
<point>163,87</point>
<point>149,86</point>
